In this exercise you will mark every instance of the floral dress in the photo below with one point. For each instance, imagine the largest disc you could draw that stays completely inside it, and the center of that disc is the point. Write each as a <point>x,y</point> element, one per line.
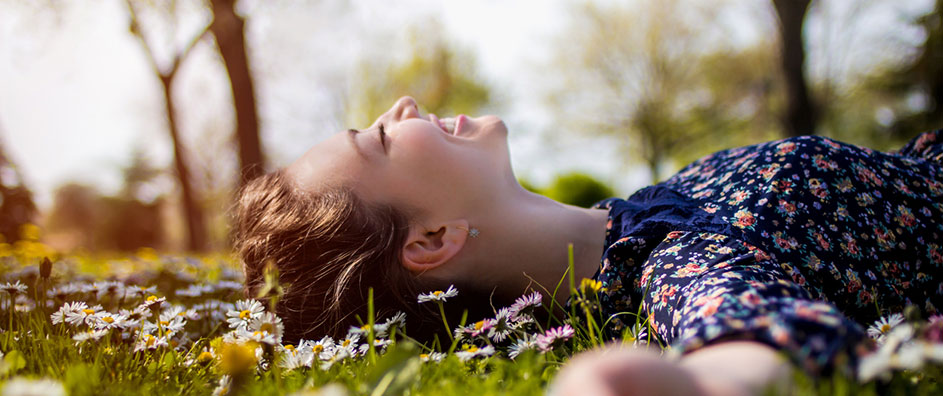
<point>791,243</point>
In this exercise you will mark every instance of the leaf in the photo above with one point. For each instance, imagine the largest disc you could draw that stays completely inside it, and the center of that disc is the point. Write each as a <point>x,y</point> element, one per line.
<point>12,363</point>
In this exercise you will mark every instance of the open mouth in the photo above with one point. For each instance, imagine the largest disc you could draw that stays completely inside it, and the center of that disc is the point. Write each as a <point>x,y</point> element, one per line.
<point>449,125</point>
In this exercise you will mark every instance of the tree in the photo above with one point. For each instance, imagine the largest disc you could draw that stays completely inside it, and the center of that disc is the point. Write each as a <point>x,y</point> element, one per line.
<point>193,212</point>
<point>229,30</point>
<point>919,82</point>
<point>801,113</point>
<point>656,79</point>
<point>578,189</point>
<point>16,201</point>
<point>441,78</point>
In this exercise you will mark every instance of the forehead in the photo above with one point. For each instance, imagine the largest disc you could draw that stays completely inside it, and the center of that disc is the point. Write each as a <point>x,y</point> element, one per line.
<point>331,162</point>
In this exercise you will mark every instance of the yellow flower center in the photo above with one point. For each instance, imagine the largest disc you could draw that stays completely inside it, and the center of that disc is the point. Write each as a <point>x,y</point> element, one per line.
<point>151,298</point>
<point>150,340</point>
<point>423,355</point>
<point>473,349</point>
<point>164,323</point>
<point>108,319</point>
<point>244,314</point>
<point>204,357</point>
<point>268,328</point>
<point>479,324</point>
<point>290,347</point>
<point>317,348</point>
<point>345,343</point>
<point>437,293</point>
<point>885,328</point>
<point>88,311</point>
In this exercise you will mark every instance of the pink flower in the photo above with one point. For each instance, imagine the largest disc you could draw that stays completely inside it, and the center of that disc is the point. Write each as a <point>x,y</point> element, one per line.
<point>554,337</point>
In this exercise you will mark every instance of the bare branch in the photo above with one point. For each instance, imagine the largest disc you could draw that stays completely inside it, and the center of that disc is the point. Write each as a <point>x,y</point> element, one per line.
<point>186,50</point>
<point>135,28</point>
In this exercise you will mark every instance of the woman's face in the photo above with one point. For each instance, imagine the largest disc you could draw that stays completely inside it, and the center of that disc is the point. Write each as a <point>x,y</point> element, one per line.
<point>419,162</point>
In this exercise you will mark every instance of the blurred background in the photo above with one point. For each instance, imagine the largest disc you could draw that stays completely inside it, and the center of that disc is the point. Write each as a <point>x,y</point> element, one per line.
<point>127,124</point>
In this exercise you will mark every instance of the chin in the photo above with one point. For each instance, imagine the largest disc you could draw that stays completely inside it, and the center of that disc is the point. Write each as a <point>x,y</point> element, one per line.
<point>493,124</point>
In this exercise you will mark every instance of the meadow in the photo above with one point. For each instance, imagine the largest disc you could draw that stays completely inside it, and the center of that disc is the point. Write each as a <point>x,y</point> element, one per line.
<point>153,324</point>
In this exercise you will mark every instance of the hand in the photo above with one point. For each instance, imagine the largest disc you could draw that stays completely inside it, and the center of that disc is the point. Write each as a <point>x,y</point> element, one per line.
<point>617,371</point>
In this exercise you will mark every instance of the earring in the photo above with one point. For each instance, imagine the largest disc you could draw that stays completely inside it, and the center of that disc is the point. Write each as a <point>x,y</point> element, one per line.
<point>472,232</point>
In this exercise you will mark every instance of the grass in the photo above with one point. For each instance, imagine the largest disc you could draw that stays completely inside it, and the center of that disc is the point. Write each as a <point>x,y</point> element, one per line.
<point>205,351</point>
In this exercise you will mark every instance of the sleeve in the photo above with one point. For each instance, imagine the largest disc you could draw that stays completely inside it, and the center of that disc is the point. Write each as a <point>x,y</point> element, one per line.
<point>704,288</point>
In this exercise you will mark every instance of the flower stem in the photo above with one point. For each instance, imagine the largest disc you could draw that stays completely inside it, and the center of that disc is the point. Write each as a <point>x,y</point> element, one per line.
<point>445,322</point>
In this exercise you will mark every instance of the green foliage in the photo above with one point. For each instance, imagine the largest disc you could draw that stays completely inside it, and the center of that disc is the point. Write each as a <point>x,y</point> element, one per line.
<point>577,189</point>
<point>643,74</point>
<point>35,348</point>
<point>442,78</point>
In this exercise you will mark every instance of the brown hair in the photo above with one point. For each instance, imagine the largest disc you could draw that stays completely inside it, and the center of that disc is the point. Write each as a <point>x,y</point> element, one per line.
<point>329,248</point>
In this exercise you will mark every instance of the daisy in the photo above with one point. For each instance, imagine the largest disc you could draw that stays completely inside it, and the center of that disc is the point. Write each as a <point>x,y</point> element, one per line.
<point>195,290</point>
<point>105,321</point>
<point>379,344</point>
<point>502,325</point>
<point>471,351</point>
<point>291,359</point>
<point>439,295</point>
<point>224,386</point>
<point>243,313</point>
<point>179,310</point>
<point>133,317</point>
<point>150,342</point>
<point>108,288</point>
<point>260,337</point>
<point>379,330</point>
<point>523,308</point>
<point>92,335</point>
<point>522,344</point>
<point>65,310</point>
<point>228,284</point>
<point>61,292</point>
<point>135,291</point>
<point>171,326</point>
<point>269,323</point>
<point>77,318</point>
<point>13,288</point>
<point>153,302</point>
<point>431,357</point>
<point>879,330</point>
<point>346,347</point>
<point>316,347</point>
<point>479,328</point>
<point>206,356</point>
<point>398,321</point>
<point>554,337</point>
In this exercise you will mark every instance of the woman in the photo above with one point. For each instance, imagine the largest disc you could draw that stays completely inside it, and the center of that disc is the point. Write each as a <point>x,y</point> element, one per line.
<point>742,254</point>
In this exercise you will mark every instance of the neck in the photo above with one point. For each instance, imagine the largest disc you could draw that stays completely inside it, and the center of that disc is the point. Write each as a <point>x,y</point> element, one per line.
<point>524,245</point>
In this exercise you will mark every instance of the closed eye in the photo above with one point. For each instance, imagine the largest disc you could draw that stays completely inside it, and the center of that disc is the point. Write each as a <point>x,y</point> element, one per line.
<point>383,138</point>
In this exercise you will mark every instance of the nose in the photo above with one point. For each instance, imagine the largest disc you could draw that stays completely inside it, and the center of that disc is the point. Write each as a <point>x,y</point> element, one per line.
<point>405,108</point>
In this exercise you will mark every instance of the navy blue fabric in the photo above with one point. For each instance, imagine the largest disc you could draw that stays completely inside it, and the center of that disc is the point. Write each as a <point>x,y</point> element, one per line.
<point>793,243</point>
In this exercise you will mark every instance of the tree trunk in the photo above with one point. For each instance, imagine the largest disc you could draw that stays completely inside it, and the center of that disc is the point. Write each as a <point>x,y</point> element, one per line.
<point>196,228</point>
<point>800,117</point>
<point>229,30</point>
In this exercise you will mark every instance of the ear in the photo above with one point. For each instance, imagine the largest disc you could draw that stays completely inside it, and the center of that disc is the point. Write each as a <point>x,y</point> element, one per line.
<point>428,248</point>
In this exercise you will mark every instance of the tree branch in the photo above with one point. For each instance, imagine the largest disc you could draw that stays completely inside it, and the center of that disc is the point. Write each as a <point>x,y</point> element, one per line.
<point>135,28</point>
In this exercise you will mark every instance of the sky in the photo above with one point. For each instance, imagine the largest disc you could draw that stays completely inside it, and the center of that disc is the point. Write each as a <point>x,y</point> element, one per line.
<point>77,96</point>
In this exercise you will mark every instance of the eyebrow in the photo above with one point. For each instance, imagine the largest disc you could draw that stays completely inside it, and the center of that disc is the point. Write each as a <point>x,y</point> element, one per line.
<point>350,137</point>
